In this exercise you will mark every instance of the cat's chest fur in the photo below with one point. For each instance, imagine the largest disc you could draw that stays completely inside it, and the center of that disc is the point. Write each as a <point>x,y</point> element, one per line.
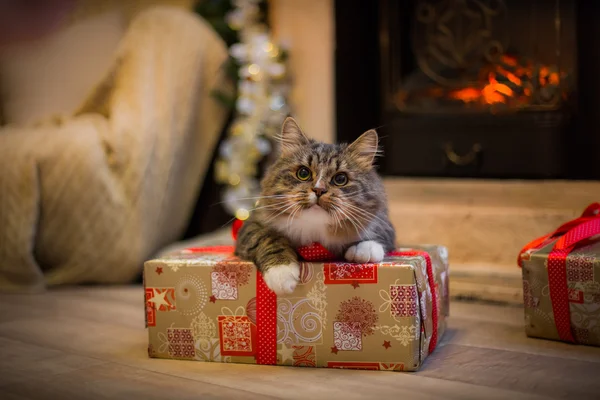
<point>311,225</point>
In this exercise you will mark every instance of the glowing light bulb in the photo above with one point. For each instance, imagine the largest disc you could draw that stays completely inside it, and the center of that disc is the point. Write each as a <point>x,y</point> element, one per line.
<point>242,214</point>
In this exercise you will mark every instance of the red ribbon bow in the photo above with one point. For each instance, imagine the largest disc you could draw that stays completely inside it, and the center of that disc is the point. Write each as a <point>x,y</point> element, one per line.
<point>571,234</point>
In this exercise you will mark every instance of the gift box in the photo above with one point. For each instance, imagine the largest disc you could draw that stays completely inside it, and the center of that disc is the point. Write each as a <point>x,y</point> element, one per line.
<point>561,281</point>
<point>205,304</point>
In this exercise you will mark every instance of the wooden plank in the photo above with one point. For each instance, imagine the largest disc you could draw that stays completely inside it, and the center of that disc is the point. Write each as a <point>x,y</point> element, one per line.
<point>502,328</point>
<point>22,362</point>
<point>322,383</point>
<point>115,305</point>
<point>126,347</point>
<point>105,341</point>
<point>76,334</point>
<point>113,381</point>
<point>528,373</point>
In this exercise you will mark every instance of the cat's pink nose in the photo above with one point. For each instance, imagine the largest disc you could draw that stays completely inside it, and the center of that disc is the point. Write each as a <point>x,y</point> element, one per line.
<point>319,191</point>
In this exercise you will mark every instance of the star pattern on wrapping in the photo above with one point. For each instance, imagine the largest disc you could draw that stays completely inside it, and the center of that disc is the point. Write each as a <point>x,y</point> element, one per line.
<point>213,299</point>
<point>286,353</point>
<point>334,350</point>
<point>159,299</point>
<point>355,284</point>
<point>159,270</point>
<point>386,344</point>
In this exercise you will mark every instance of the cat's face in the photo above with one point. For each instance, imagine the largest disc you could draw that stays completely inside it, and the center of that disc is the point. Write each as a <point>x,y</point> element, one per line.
<point>326,183</point>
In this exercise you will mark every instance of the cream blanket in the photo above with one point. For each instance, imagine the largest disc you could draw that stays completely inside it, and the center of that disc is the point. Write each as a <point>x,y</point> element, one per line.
<point>89,198</point>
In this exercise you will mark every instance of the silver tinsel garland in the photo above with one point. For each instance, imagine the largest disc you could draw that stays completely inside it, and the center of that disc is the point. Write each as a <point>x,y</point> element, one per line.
<point>261,107</point>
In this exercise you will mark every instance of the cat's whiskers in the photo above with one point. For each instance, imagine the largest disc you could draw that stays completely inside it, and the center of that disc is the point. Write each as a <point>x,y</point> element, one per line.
<point>336,217</point>
<point>335,220</point>
<point>365,213</point>
<point>358,232</point>
<point>359,210</point>
<point>280,208</point>
<point>360,221</point>
<point>355,215</point>
<point>276,206</point>
<point>292,215</point>
<point>272,217</point>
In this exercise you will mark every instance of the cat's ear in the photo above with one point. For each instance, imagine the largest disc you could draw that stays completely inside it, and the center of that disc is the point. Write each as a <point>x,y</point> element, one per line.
<point>365,148</point>
<point>291,137</point>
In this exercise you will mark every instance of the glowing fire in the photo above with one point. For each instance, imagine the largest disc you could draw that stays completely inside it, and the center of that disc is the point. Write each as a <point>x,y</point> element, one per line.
<point>517,81</point>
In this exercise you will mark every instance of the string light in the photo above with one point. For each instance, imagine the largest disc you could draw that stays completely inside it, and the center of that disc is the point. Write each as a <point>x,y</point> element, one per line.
<point>261,108</point>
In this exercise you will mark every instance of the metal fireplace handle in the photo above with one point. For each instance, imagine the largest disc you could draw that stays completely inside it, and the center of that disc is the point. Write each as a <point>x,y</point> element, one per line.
<point>462,160</point>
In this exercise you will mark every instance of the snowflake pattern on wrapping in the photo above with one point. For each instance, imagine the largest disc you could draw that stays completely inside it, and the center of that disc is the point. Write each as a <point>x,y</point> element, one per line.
<point>347,336</point>
<point>359,311</point>
<point>403,300</point>
<point>181,343</point>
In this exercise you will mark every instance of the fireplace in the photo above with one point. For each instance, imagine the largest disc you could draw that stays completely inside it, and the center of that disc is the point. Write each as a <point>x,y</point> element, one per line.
<point>472,88</point>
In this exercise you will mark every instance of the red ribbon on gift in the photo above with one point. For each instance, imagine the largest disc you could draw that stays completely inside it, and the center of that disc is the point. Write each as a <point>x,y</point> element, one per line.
<point>434,294</point>
<point>570,235</point>
<point>211,249</point>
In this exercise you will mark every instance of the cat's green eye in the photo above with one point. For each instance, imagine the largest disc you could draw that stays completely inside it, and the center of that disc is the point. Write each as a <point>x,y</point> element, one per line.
<point>340,179</point>
<point>303,174</point>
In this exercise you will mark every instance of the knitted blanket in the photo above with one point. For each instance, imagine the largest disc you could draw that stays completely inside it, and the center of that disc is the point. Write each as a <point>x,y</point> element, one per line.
<point>87,199</point>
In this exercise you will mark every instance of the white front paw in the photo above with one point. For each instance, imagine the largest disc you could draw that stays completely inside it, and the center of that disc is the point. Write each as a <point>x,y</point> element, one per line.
<point>364,252</point>
<point>282,279</point>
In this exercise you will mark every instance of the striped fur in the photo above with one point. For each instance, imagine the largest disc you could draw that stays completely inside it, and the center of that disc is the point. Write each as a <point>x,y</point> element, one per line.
<point>350,220</point>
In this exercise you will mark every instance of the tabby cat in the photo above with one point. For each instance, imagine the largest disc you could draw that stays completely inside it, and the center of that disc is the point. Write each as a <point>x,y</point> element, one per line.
<point>317,192</point>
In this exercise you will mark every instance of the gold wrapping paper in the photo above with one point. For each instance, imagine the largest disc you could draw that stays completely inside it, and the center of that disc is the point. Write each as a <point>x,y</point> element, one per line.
<point>202,306</point>
<point>583,281</point>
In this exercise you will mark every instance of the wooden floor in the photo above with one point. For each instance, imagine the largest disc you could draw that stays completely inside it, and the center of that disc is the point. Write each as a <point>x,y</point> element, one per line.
<point>90,343</point>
